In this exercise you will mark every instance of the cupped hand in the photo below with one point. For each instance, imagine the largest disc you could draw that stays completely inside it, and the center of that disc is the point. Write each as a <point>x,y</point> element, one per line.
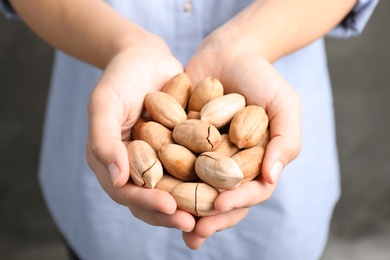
<point>115,105</point>
<point>242,69</point>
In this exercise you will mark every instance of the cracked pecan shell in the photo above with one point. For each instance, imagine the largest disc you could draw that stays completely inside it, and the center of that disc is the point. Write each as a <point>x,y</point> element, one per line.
<point>145,168</point>
<point>196,135</point>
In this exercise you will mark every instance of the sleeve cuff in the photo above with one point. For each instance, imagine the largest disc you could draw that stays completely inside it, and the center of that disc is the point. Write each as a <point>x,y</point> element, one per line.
<point>7,9</point>
<point>354,23</point>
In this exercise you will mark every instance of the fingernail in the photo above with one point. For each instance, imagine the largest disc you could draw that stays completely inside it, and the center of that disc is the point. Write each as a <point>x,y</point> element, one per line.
<point>276,170</point>
<point>114,172</point>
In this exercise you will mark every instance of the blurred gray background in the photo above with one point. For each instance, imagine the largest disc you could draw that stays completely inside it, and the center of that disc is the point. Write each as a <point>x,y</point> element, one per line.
<point>360,72</point>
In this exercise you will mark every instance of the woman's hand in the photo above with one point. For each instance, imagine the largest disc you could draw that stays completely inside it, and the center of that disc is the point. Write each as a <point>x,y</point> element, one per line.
<point>243,70</point>
<point>115,105</point>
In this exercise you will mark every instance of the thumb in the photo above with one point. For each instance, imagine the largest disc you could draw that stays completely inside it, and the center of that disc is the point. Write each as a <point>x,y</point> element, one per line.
<point>285,138</point>
<point>108,160</point>
<point>106,153</point>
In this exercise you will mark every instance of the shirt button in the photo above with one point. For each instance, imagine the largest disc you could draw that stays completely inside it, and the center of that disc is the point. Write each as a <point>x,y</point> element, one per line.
<point>187,6</point>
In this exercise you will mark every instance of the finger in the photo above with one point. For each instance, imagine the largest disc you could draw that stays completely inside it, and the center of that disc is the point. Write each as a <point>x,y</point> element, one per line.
<point>105,136</point>
<point>143,198</point>
<point>192,240</point>
<point>152,206</point>
<point>285,131</point>
<point>246,195</point>
<point>180,219</point>
<point>207,226</point>
<point>155,207</point>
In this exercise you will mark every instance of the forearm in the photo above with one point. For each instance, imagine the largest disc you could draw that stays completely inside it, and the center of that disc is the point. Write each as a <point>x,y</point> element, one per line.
<point>275,28</point>
<point>89,30</point>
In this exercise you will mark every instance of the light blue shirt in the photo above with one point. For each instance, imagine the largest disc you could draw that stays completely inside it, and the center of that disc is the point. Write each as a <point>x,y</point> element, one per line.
<point>292,224</point>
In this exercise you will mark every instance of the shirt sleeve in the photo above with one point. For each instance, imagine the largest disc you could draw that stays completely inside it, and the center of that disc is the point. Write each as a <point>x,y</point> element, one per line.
<point>354,23</point>
<point>7,9</point>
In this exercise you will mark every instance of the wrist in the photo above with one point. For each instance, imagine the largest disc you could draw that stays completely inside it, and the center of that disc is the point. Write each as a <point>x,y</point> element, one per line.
<point>274,29</point>
<point>247,32</point>
<point>237,37</point>
<point>136,40</point>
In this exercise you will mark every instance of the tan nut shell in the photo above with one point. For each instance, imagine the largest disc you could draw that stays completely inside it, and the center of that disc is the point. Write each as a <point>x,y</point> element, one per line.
<point>218,170</point>
<point>164,109</point>
<point>145,168</point>
<point>220,111</point>
<point>250,162</point>
<point>265,139</point>
<point>179,87</point>
<point>226,147</point>
<point>193,115</point>
<point>136,127</point>
<point>196,135</point>
<point>178,161</point>
<point>167,183</point>
<point>206,90</point>
<point>248,126</point>
<point>195,198</point>
<point>155,134</point>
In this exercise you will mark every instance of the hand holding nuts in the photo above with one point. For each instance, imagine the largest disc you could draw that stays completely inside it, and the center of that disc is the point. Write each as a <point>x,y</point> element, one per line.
<point>197,144</point>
